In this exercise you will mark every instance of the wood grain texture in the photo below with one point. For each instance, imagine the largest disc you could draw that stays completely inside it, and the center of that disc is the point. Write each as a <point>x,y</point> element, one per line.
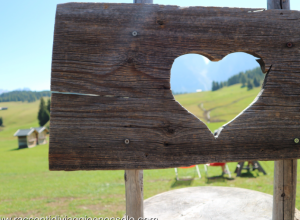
<point>285,171</point>
<point>134,181</point>
<point>284,196</point>
<point>94,52</point>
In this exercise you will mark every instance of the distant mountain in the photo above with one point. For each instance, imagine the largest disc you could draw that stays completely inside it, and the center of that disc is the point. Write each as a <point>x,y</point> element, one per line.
<point>23,96</point>
<point>192,72</point>
<point>24,89</point>
<point>3,91</point>
<point>19,89</point>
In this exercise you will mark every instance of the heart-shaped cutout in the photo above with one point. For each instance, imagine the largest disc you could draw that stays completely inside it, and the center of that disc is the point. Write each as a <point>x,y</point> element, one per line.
<point>216,92</point>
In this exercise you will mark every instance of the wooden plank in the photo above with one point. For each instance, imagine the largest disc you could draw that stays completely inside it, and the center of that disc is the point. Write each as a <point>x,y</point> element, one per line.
<point>240,169</point>
<point>134,181</point>
<point>285,181</point>
<point>95,52</point>
<point>285,171</point>
<point>86,61</point>
<point>161,133</point>
<point>260,169</point>
<point>134,194</point>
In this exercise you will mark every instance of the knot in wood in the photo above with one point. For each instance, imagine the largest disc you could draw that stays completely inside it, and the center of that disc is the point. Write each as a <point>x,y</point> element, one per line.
<point>166,87</point>
<point>130,60</point>
<point>283,195</point>
<point>171,130</point>
<point>160,22</point>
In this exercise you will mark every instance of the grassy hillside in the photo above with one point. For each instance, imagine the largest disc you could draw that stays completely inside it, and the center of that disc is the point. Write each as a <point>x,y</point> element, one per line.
<point>28,188</point>
<point>20,115</point>
<point>223,104</point>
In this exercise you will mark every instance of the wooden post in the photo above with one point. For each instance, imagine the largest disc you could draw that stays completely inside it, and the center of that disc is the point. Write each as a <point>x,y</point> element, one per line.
<point>134,179</point>
<point>285,171</point>
<point>279,4</point>
<point>134,194</point>
<point>284,195</point>
<point>143,1</point>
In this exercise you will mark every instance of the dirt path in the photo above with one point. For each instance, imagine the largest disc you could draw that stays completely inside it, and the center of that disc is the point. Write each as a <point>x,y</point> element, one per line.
<point>206,113</point>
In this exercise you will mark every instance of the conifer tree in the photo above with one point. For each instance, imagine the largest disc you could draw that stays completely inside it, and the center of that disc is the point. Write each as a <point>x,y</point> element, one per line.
<point>213,88</point>
<point>249,85</point>
<point>217,86</point>
<point>43,115</point>
<point>256,82</point>
<point>243,80</point>
<point>221,85</point>
<point>48,106</point>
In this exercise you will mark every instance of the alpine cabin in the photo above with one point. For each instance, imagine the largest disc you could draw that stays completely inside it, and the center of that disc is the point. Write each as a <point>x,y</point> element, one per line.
<point>31,137</point>
<point>42,132</point>
<point>27,137</point>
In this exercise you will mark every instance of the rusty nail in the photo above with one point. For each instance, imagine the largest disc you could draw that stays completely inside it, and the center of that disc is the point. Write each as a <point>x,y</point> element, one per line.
<point>126,141</point>
<point>289,44</point>
<point>134,33</point>
<point>296,140</point>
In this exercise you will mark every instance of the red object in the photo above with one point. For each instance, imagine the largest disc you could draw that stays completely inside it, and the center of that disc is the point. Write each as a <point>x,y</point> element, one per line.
<point>188,167</point>
<point>216,164</point>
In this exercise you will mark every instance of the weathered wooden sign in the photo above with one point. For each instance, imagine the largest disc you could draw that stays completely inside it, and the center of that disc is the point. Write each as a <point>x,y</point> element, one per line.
<point>122,54</point>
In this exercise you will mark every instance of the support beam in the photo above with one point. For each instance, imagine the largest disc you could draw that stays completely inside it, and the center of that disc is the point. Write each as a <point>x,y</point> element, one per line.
<point>134,194</point>
<point>134,179</point>
<point>284,195</point>
<point>279,4</point>
<point>285,171</point>
<point>143,1</point>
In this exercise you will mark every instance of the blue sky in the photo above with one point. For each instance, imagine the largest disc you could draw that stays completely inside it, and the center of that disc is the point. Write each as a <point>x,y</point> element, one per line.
<point>27,35</point>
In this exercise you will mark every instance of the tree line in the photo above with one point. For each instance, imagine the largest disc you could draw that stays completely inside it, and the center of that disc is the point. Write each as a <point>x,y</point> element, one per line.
<point>44,112</point>
<point>23,96</point>
<point>250,78</point>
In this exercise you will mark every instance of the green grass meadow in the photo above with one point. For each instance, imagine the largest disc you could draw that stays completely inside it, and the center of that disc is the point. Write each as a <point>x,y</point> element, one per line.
<point>226,103</point>
<point>29,189</point>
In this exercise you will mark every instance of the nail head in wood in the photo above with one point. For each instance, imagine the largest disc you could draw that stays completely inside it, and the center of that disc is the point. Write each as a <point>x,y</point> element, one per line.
<point>289,44</point>
<point>134,33</point>
<point>127,141</point>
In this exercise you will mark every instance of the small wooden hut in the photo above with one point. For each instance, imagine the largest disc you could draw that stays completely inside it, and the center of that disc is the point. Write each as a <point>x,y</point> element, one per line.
<point>27,137</point>
<point>42,132</point>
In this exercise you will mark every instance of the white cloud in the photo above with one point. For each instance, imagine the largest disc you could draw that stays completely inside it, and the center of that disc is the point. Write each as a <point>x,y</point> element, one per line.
<point>206,60</point>
<point>204,79</point>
